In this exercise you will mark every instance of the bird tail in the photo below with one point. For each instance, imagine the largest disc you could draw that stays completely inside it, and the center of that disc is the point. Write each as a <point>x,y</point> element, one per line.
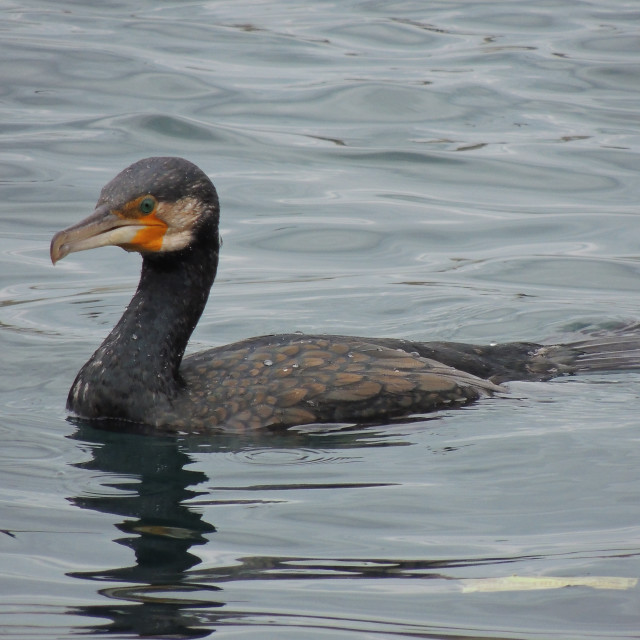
<point>607,353</point>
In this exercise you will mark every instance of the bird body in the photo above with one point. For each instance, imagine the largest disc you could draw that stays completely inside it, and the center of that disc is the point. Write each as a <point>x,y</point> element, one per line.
<point>167,209</point>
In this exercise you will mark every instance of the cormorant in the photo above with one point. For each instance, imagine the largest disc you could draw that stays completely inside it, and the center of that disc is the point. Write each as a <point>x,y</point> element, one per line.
<point>167,209</point>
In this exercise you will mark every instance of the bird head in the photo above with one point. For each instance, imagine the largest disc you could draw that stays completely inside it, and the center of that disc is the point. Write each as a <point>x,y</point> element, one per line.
<point>155,206</point>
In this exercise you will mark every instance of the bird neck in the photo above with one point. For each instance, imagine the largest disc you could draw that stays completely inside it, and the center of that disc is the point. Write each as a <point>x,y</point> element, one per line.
<point>136,368</point>
<point>156,326</point>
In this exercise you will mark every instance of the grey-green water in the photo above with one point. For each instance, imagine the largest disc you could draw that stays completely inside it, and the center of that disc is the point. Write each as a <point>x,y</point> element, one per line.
<point>433,170</point>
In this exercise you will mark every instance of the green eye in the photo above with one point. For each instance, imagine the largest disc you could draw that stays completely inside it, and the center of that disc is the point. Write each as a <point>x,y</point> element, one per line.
<point>147,205</point>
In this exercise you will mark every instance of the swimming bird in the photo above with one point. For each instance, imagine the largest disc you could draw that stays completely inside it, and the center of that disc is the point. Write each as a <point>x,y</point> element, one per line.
<point>167,209</point>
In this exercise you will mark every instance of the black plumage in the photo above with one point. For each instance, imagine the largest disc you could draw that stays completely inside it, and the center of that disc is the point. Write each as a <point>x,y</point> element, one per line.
<point>167,209</point>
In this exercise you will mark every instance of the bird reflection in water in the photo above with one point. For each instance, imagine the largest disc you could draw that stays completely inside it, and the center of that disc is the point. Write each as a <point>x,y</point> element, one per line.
<point>159,527</point>
<point>163,594</point>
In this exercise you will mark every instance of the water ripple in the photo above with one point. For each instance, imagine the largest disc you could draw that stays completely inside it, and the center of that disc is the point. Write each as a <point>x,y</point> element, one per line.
<point>284,457</point>
<point>468,172</point>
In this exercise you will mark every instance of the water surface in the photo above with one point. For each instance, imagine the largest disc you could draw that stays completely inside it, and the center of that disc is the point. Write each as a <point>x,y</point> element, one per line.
<point>450,170</point>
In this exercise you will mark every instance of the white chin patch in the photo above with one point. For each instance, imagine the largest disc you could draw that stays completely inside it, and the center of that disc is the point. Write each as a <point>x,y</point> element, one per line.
<point>181,217</point>
<point>176,240</point>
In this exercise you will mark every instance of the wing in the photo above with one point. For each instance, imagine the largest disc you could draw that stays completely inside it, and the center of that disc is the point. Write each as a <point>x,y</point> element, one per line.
<point>290,380</point>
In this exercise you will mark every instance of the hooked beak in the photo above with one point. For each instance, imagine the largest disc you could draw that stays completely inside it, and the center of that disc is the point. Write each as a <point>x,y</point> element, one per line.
<point>103,228</point>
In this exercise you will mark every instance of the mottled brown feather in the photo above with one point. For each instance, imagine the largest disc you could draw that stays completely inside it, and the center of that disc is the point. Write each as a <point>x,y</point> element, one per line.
<point>280,381</point>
